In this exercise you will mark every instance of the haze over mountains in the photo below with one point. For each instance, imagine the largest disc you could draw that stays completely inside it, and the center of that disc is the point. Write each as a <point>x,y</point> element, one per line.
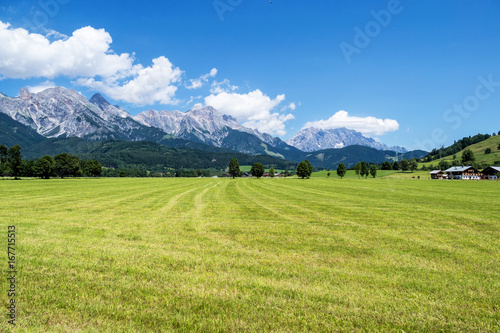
<point>64,113</point>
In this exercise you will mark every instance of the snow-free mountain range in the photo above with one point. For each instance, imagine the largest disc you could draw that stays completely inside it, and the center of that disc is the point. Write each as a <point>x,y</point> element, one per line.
<point>64,113</point>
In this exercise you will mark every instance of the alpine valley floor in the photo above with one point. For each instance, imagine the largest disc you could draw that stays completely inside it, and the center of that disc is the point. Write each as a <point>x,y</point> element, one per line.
<point>281,255</point>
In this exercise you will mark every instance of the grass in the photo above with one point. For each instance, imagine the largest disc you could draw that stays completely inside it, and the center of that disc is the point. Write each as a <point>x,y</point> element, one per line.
<point>282,255</point>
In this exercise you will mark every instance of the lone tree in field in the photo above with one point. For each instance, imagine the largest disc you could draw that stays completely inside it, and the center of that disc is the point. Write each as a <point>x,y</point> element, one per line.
<point>357,169</point>
<point>44,167</point>
<point>15,161</point>
<point>257,170</point>
<point>405,165</point>
<point>234,168</point>
<point>341,170</point>
<point>304,169</point>
<point>413,164</point>
<point>395,166</point>
<point>364,170</point>
<point>468,157</point>
<point>487,151</point>
<point>373,170</point>
<point>93,168</point>
<point>271,172</point>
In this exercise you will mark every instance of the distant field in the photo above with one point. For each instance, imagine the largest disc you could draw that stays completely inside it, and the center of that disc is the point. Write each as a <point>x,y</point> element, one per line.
<point>281,255</point>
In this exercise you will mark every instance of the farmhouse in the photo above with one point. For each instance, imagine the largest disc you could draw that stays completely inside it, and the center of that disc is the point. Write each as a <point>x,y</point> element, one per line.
<point>491,172</point>
<point>463,172</point>
<point>438,174</point>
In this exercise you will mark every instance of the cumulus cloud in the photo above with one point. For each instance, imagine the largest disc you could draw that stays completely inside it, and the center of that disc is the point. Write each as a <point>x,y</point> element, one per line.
<point>87,57</point>
<point>86,53</point>
<point>148,85</point>
<point>41,87</point>
<point>198,83</point>
<point>366,125</point>
<point>252,109</point>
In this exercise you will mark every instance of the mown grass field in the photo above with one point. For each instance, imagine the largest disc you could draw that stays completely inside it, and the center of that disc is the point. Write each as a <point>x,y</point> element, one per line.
<point>281,255</point>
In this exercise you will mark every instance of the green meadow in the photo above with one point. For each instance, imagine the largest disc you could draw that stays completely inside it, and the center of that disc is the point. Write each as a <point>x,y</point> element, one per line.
<point>257,255</point>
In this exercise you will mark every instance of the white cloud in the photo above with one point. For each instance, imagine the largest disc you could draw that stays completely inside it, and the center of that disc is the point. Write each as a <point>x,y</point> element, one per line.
<point>366,125</point>
<point>193,98</point>
<point>198,83</point>
<point>223,86</point>
<point>290,106</point>
<point>87,57</point>
<point>252,109</point>
<point>41,87</point>
<point>149,85</point>
<point>86,53</point>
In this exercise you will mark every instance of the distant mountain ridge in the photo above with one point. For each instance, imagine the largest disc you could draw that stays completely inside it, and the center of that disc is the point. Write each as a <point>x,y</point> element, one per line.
<point>64,113</point>
<point>59,112</point>
<point>313,139</point>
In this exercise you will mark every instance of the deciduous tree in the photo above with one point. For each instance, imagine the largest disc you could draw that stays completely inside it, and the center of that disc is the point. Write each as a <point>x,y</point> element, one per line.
<point>405,165</point>
<point>468,157</point>
<point>386,166</point>
<point>93,168</point>
<point>304,169</point>
<point>271,172</point>
<point>357,169</point>
<point>395,166</point>
<point>413,164</point>
<point>364,170</point>
<point>15,161</point>
<point>44,167</point>
<point>257,170</point>
<point>341,170</point>
<point>373,170</point>
<point>66,165</point>
<point>234,168</point>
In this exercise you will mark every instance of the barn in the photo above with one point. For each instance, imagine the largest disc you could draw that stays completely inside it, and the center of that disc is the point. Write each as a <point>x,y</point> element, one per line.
<point>438,174</point>
<point>491,172</point>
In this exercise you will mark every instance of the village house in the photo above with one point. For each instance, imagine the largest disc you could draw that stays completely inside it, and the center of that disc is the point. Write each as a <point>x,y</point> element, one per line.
<point>438,174</point>
<point>463,172</point>
<point>491,172</point>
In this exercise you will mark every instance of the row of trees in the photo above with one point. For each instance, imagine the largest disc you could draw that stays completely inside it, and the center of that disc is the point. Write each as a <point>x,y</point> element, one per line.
<point>403,165</point>
<point>62,165</point>
<point>361,169</point>
<point>257,169</point>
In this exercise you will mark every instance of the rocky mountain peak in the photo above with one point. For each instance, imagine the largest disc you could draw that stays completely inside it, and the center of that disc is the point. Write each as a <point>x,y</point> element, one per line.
<point>24,94</point>
<point>99,100</point>
<point>313,139</point>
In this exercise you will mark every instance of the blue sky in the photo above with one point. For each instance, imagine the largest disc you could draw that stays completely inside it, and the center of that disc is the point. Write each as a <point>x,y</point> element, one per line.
<point>418,74</point>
